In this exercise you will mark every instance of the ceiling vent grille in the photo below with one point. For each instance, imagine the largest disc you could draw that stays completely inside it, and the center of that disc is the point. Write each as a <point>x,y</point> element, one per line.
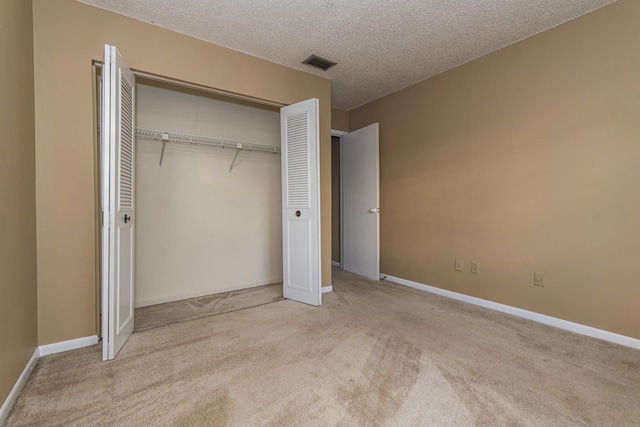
<point>317,62</point>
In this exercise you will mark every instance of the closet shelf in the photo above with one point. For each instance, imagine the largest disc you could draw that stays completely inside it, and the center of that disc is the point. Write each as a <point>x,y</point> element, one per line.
<point>204,141</point>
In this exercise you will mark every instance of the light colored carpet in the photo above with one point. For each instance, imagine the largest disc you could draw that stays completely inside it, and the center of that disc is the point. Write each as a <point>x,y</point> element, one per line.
<point>373,354</point>
<point>155,316</point>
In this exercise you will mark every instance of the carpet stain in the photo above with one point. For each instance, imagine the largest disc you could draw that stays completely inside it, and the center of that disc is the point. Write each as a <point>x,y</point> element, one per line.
<point>573,403</point>
<point>387,378</point>
<point>576,406</point>
<point>475,393</point>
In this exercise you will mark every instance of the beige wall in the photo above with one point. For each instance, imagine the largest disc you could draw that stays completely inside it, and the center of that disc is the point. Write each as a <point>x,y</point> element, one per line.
<point>525,160</point>
<point>201,229</point>
<point>67,36</point>
<point>339,120</point>
<point>18,304</point>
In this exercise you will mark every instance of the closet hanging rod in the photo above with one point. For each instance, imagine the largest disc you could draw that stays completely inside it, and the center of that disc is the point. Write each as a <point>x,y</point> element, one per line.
<point>205,141</point>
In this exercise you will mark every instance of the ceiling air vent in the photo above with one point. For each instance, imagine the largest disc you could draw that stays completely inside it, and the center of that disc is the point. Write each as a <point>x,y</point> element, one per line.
<point>316,61</point>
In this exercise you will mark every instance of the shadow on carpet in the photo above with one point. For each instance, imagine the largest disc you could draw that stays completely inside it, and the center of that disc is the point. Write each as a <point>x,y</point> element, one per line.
<point>155,316</point>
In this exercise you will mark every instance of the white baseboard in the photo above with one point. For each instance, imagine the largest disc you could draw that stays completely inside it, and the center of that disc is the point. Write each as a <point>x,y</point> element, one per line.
<point>43,350</point>
<point>327,289</point>
<point>17,388</point>
<point>336,264</point>
<point>525,314</point>
<point>59,347</point>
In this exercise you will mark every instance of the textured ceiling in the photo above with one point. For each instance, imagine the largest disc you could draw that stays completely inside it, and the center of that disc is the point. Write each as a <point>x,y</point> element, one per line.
<point>380,46</point>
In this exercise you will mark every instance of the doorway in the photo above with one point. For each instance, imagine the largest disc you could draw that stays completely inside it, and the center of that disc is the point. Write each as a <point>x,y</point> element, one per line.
<point>198,228</point>
<point>355,175</point>
<point>119,162</point>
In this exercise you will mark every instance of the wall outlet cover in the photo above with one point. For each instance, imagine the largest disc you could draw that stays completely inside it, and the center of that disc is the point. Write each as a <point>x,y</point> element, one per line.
<point>475,267</point>
<point>459,264</point>
<point>538,278</point>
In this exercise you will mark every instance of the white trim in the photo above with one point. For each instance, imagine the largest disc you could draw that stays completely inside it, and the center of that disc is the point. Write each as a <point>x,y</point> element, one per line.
<point>525,314</point>
<point>202,88</point>
<point>341,206</point>
<point>327,289</point>
<point>59,347</point>
<point>336,263</point>
<point>17,388</point>
<point>43,350</point>
<point>338,133</point>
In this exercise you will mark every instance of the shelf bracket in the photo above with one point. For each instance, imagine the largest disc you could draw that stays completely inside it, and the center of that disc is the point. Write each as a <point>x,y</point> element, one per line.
<point>165,138</point>
<point>233,162</point>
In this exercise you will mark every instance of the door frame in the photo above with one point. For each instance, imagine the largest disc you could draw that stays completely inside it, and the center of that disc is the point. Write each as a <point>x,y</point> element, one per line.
<point>339,134</point>
<point>96,69</point>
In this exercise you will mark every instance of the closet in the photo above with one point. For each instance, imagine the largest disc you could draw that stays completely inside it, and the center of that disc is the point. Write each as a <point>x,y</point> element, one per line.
<point>202,203</point>
<point>207,193</point>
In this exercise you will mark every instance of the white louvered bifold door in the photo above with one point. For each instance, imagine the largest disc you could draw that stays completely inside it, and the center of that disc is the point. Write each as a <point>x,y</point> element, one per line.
<point>301,202</point>
<point>118,160</point>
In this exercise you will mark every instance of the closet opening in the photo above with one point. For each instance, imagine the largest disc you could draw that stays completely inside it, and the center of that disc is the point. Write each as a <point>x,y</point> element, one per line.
<point>227,218</point>
<point>208,199</point>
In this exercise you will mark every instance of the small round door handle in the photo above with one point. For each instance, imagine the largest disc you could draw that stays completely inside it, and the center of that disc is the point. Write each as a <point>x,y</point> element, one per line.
<point>298,213</point>
<point>127,218</point>
<point>374,210</point>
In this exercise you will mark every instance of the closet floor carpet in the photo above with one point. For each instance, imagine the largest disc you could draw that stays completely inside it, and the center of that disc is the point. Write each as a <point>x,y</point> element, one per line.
<point>155,316</point>
<point>375,353</point>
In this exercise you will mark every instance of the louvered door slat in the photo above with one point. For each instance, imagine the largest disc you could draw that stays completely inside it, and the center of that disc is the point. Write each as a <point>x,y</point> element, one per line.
<point>126,149</point>
<point>298,161</point>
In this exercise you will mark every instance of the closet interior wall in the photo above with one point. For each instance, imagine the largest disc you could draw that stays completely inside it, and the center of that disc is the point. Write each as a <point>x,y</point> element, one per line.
<point>201,228</point>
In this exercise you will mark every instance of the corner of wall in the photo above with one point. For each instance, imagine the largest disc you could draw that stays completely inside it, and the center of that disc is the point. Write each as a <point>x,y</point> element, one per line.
<point>339,120</point>
<point>18,305</point>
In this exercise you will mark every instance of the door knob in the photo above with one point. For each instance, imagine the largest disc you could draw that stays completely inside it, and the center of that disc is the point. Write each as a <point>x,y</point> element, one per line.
<point>374,210</point>
<point>127,218</point>
<point>298,213</point>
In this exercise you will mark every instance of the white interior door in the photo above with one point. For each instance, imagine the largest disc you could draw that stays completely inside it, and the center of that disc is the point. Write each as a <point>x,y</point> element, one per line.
<point>299,127</point>
<point>360,182</point>
<point>118,150</point>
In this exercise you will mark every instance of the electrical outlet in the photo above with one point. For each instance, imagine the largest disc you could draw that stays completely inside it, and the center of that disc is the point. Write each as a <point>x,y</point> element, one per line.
<point>538,278</point>
<point>459,264</point>
<point>475,267</point>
